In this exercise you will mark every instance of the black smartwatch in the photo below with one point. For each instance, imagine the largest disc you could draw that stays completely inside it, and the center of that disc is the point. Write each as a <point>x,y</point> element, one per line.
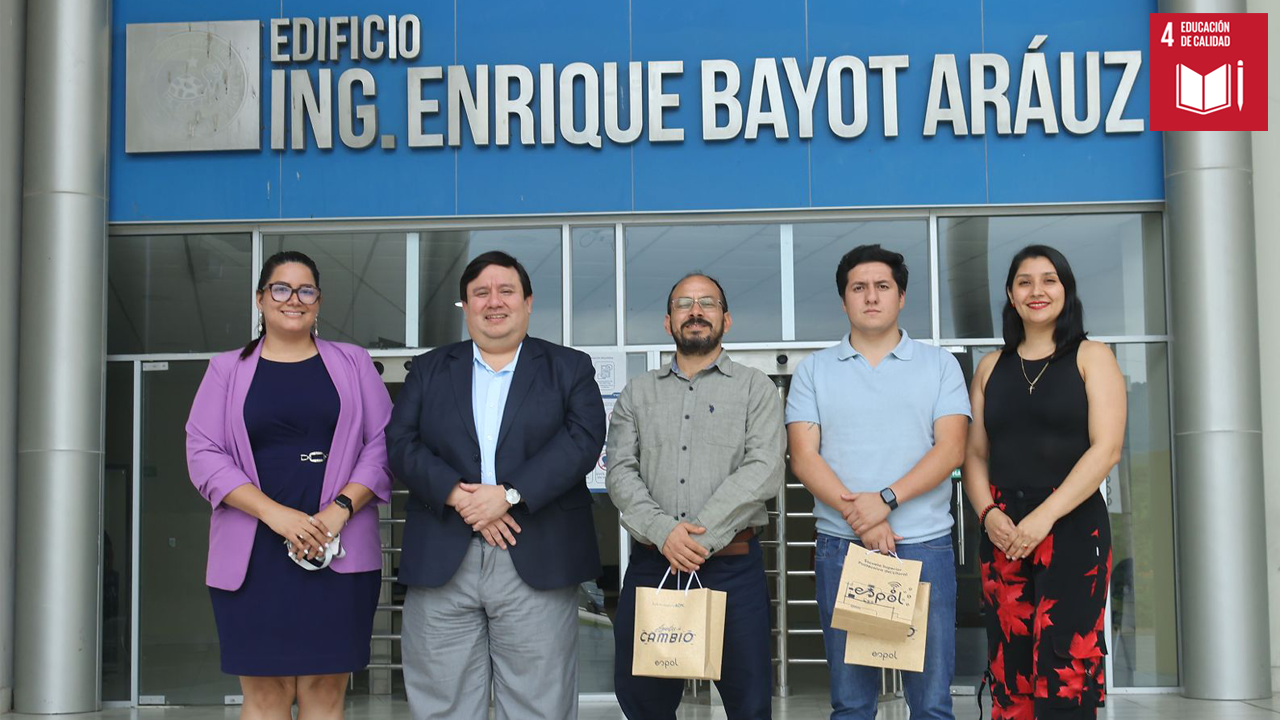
<point>344,502</point>
<point>889,498</point>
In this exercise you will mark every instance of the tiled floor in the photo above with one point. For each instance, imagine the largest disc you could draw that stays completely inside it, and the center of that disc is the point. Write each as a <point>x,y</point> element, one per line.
<point>809,707</point>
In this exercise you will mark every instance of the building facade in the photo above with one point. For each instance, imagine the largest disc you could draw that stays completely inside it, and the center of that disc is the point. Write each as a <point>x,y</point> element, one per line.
<point>156,152</point>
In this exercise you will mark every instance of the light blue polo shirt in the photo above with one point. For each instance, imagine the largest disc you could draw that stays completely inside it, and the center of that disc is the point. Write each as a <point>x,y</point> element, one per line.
<point>489,390</point>
<point>877,423</point>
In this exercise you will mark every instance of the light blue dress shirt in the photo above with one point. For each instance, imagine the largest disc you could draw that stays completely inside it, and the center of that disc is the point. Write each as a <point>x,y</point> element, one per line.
<point>489,390</point>
<point>877,422</point>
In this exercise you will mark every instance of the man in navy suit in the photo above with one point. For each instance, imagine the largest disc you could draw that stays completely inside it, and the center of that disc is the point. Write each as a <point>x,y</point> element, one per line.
<point>494,438</point>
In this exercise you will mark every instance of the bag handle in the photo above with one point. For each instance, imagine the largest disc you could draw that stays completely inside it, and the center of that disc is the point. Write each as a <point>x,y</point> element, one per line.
<point>666,575</point>
<point>689,585</point>
<point>875,551</point>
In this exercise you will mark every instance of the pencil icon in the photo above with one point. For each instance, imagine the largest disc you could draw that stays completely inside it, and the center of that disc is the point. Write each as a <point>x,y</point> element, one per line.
<point>1240,85</point>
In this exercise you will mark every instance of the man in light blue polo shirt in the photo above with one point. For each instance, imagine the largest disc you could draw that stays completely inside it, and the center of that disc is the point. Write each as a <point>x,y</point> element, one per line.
<point>876,424</point>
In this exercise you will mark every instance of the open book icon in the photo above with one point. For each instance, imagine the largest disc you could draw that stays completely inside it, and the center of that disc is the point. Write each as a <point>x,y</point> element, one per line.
<point>1204,94</point>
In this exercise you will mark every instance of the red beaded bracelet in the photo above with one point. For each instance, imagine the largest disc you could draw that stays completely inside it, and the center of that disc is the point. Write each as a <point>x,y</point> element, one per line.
<point>982,516</point>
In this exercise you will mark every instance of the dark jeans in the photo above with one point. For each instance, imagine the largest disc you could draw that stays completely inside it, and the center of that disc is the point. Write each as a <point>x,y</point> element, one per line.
<point>746,678</point>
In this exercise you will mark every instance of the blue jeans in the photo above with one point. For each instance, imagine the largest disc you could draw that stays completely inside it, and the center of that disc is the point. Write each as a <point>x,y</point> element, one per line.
<point>855,689</point>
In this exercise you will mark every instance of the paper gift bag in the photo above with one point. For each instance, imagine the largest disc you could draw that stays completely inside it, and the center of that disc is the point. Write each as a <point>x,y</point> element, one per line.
<point>906,654</point>
<point>877,594</point>
<point>679,633</point>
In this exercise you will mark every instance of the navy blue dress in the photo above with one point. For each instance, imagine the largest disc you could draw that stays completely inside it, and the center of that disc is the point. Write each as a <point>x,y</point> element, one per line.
<point>284,620</point>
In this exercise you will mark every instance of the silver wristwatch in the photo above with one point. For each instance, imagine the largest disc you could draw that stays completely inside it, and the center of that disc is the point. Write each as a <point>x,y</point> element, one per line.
<point>513,495</point>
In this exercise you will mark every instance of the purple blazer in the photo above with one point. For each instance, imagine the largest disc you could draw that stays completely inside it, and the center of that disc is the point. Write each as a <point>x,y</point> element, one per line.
<point>220,458</point>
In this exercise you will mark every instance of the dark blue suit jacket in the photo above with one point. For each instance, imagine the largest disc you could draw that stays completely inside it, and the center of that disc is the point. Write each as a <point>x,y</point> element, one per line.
<point>552,431</point>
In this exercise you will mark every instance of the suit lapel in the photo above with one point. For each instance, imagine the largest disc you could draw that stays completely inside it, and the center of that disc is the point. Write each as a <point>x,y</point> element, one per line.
<point>460,368</point>
<point>528,367</point>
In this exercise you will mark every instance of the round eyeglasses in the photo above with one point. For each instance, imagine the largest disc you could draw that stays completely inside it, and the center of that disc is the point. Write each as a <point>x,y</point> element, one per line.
<point>281,292</point>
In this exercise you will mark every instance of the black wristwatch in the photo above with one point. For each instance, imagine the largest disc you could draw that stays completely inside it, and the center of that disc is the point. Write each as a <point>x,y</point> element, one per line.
<point>344,502</point>
<point>889,498</point>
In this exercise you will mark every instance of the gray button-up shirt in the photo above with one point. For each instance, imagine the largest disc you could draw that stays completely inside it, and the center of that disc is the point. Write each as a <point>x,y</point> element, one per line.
<point>707,450</point>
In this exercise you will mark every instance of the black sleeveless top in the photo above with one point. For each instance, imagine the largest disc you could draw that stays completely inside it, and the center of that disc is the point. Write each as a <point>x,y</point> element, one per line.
<point>1035,438</point>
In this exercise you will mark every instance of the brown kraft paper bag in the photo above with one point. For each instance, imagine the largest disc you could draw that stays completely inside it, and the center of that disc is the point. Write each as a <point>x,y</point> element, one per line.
<point>679,633</point>
<point>905,654</point>
<point>877,594</point>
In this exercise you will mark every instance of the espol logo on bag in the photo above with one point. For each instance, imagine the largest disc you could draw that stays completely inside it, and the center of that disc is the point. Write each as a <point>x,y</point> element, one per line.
<point>1208,71</point>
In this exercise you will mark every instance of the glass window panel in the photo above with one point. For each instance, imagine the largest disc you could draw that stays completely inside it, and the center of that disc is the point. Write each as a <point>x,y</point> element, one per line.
<point>444,254</point>
<point>362,276</point>
<point>818,248</point>
<point>178,293</point>
<point>1118,261</point>
<point>595,293</point>
<point>637,364</point>
<point>746,259</point>
<point>117,536</point>
<point>1144,626</point>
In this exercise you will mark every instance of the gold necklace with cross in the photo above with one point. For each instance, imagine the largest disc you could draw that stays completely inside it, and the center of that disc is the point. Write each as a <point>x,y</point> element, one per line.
<point>1031,384</point>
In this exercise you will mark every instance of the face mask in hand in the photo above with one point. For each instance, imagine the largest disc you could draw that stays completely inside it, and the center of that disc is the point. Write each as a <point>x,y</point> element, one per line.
<point>332,549</point>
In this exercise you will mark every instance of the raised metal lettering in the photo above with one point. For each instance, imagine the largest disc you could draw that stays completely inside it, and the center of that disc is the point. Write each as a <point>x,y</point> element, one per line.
<point>590,132</point>
<point>504,106</point>
<point>476,104</point>
<point>764,79</point>
<point>660,101</point>
<point>888,65</point>
<point>1035,81</point>
<point>366,114</point>
<point>804,92</point>
<point>945,79</point>
<point>835,96</point>
<point>613,100</point>
<point>1092,93</point>
<point>726,97</point>
<point>981,94</point>
<point>318,111</point>
<point>1132,61</point>
<point>419,107</point>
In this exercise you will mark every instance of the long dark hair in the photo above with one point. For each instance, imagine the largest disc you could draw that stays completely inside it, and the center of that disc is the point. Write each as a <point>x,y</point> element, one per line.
<point>269,267</point>
<point>1068,332</point>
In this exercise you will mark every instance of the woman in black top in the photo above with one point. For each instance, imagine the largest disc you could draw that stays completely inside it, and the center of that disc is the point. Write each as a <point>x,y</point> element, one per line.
<point>1048,425</point>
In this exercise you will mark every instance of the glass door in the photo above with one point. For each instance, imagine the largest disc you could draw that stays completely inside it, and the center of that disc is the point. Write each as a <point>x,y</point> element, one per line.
<point>971,632</point>
<point>178,658</point>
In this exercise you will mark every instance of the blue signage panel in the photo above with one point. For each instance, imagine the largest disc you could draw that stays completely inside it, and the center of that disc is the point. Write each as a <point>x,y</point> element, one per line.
<point>420,109</point>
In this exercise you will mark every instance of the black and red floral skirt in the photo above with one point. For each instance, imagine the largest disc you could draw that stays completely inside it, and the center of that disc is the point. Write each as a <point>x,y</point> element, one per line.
<point>1045,613</point>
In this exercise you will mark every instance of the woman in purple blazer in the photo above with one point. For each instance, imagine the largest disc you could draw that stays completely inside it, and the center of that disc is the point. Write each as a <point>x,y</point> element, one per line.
<point>286,442</point>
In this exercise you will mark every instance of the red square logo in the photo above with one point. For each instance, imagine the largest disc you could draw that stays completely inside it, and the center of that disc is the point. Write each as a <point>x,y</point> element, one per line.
<point>1208,71</point>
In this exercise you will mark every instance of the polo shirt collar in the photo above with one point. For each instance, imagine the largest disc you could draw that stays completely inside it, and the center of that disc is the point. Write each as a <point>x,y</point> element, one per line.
<point>721,363</point>
<point>903,350</point>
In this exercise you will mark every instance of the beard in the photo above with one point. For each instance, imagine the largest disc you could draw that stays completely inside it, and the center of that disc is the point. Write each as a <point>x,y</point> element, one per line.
<point>698,345</point>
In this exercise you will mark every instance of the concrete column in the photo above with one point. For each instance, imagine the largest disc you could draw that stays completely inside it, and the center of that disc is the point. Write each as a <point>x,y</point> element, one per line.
<point>12,29</point>
<point>1266,188</point>
<point>1217,414</point>
<point>61,357</point>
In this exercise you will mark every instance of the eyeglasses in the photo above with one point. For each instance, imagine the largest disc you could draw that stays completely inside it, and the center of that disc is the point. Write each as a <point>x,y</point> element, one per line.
<point>281,292</point>
<point>706,302</point>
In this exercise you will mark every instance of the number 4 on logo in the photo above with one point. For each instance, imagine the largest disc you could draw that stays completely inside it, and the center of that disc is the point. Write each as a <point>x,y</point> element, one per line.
<point>1166,37</point>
